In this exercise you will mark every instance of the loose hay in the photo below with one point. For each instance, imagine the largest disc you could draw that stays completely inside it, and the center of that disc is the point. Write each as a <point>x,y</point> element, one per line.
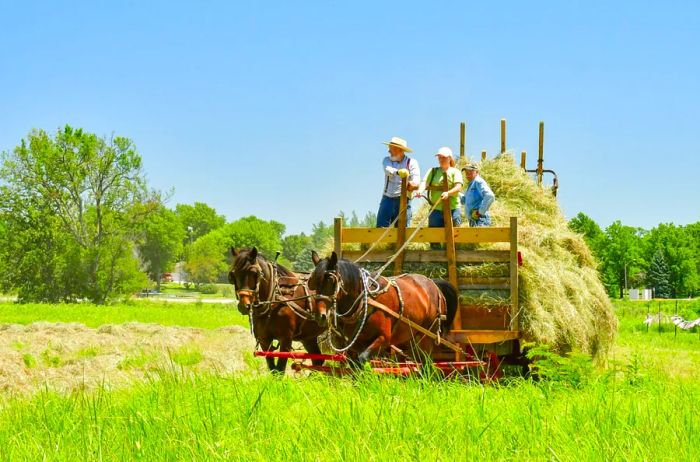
<point>64,357</point>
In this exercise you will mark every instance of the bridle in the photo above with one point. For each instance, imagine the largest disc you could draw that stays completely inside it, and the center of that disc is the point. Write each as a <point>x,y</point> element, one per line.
<point>255,293</point>
<point>338,287</point>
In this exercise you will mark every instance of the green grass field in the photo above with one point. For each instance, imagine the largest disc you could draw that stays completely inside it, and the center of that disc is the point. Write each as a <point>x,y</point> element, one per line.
<point>642,406</point>
<point>203,315</point>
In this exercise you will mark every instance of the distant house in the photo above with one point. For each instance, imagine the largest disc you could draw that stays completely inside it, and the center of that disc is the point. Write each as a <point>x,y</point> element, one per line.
<point>640,294</point>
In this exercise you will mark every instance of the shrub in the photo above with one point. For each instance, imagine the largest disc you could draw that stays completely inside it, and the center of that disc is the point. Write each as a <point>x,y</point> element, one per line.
<point>207,289</point>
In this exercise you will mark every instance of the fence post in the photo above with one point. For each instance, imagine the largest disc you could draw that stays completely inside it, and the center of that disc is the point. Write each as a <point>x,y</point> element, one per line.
<point>648,314</point>
<point>401,228</point>
<point>675,326</point>
<point>462,140</point>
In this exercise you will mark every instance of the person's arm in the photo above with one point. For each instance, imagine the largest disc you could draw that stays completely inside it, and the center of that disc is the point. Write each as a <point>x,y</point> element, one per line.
<point>487,196</point>
<point>451,192</point>
<point>454,190</point>
<point>414,176</point>
<point>388,169</point>
<point>421,187</point>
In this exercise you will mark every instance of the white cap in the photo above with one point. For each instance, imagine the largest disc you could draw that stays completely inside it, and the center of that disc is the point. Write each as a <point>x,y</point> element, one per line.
<point>444,152</point>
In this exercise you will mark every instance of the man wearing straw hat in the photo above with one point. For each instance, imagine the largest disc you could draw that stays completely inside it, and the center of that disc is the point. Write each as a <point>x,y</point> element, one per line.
<point>397,165</point>
<point>477,198</point>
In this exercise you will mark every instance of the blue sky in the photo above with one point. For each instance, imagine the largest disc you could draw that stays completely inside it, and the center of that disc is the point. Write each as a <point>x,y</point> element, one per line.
<point>278,109</point>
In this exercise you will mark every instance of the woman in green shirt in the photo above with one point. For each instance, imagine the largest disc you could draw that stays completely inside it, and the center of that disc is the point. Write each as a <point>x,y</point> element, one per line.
<point>454,183</point>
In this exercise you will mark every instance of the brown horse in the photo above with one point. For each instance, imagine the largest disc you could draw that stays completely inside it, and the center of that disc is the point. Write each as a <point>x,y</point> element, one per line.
<point>343,290</point>
<point>278,303</point>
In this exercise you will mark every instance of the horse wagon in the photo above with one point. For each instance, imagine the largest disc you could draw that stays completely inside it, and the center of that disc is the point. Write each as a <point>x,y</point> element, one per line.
<point>475,338</point>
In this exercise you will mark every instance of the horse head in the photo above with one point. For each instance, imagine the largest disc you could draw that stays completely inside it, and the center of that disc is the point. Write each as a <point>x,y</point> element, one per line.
<point>326,280</point>
<point>247,275</point>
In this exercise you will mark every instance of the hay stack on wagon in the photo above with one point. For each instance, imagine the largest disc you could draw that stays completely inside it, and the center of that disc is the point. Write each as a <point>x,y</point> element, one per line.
<point>562,301</point>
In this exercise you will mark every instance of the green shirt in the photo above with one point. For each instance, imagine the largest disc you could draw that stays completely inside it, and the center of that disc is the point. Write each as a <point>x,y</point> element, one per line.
<point>434,178</point>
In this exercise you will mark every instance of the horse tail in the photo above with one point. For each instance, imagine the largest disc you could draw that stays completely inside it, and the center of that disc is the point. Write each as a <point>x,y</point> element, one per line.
<point>452,303</point>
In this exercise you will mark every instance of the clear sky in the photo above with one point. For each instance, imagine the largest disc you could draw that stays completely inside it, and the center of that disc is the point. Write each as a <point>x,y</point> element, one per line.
<point>278,109</point>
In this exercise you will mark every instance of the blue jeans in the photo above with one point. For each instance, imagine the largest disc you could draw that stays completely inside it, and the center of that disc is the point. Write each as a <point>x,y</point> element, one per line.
<point>436,219</point>
<point>485,220</point>
<point>389,210</point>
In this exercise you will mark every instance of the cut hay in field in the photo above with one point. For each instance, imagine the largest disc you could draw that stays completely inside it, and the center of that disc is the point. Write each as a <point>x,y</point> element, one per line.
<point>66,357</point>
<point>562,301</point>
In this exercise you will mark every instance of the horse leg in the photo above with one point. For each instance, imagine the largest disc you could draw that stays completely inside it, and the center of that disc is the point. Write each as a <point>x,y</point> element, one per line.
<point>373,349</point>
<point>285,346</point>
<point>311,346</point>
<point>266,345</point>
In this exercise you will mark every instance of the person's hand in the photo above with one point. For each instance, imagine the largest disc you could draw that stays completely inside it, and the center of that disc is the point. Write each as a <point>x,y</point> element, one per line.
<point>444,196</point>
<point>403,173</point>
<point>418,195</point>
<point>475,214</point>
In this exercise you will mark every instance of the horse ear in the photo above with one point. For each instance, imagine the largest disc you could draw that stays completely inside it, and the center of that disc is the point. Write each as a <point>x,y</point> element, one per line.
<point>254,253</point>
<point>315,258</point>
<point>234,252</point>
<point>333,260</point>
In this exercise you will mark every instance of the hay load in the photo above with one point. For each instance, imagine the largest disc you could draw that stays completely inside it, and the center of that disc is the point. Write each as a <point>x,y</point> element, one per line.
<point>562,301</point>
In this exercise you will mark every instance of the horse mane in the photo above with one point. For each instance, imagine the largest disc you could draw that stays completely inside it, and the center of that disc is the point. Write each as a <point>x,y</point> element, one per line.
<point>282,270</point>
<point>350,273</point>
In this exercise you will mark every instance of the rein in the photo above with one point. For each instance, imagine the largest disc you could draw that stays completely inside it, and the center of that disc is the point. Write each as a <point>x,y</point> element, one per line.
<point>371,288</point>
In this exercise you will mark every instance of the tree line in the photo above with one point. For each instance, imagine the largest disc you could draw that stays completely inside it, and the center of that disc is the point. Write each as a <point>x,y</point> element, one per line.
<point>665,258</point>
<point>78,221</point>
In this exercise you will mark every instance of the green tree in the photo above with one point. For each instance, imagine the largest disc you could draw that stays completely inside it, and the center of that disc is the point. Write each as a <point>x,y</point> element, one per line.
<point>679,247</point>
<point>198,219</point>
<point>161,241</point>
<point>583,224</point>
<point>658,275</point>
<point>621,254</point>
<point>295,248</point>
<point>209,259</point>
<point>85,190</point>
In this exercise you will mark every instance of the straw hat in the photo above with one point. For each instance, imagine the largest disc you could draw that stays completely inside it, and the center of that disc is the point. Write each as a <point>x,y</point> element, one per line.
<point>472,166</point>
<point>399,143</point>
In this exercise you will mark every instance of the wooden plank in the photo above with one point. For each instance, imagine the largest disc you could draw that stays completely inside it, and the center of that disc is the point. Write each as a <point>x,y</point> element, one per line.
<point>432,256</point>
<point>503,136</point>
<point>450,246</point>
<point>514,298</point>
<point>462,140</point>
<point>401,230</point>
<point>413,325</point>
<point>461,235</point>
<point>479,336</point>
<point>480,317</point>
<point>368,235</point>
<point>540,155</point>
<point>337,236</point>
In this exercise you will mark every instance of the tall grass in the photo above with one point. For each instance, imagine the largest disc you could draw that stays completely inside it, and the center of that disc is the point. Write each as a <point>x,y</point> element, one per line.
<point>203,315</point>
<point>178,417</point>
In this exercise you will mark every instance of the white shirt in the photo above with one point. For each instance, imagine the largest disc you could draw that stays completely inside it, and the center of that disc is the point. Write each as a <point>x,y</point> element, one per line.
<point>392,181</point>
